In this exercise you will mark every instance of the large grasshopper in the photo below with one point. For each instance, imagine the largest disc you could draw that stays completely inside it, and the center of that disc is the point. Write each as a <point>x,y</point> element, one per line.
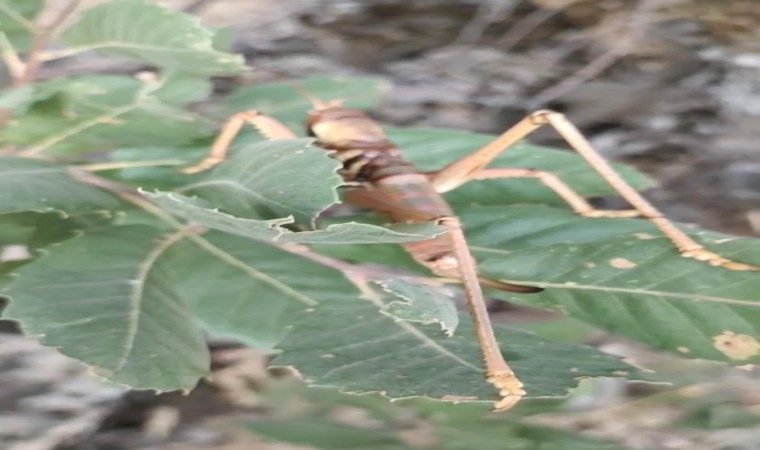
<point>379,178</point>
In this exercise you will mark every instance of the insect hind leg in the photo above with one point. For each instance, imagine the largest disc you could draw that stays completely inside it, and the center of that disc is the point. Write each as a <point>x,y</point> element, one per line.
<point>473,165</point>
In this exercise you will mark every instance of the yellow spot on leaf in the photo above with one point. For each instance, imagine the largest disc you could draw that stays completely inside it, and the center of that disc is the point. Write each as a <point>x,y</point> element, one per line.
<point>620,373</point>
<point>683,350</point>
<point>736,346</point>
<point>643,236</point>
<point>589,265</point>
<point>622,263</point>
<point>327,356</point>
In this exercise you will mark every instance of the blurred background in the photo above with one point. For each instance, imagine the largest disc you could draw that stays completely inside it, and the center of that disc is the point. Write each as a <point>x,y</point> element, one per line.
<point>670,86</point>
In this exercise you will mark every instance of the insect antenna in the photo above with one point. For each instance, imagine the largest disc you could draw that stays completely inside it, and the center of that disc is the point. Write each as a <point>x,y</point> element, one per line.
<point>316,103</point>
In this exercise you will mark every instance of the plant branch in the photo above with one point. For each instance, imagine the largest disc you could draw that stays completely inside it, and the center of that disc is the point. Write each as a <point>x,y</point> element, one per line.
<point>639,19</point>
<point>40,40</point>
<point>24,72</point>
<point>125,193</point>
<point>197,6</point>
<point>10,57</point>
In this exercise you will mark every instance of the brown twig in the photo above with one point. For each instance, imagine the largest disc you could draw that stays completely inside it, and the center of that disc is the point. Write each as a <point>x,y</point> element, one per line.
<point>25,72</point>
<point>10,57</point>
<point>40,40</point>
<point>197,6</point>
<point>639,18</point>
<point>524,27</point>
<point>131,195</point>
<point>486,14</point>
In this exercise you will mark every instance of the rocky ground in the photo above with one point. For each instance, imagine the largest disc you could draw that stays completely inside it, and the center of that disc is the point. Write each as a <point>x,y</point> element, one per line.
<point>672,86</point>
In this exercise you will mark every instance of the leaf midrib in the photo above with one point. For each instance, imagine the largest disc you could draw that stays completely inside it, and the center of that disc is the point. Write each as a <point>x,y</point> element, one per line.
<point>132,46</point>
<point>136,295</point>
<point>616,289</point>
<point>370,296</point>
<point>674,295</point>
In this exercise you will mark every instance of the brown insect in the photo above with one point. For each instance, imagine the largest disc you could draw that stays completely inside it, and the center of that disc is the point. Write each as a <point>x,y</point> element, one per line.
<point>379,178</point>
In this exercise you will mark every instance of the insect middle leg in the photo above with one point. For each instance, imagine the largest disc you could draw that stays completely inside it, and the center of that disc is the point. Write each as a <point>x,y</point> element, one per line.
<point>576,202</point>
<point>473,167</point>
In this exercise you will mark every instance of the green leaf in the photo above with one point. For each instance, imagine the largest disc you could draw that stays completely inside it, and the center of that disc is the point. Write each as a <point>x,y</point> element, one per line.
<point>104,299</point>
<point>692,303</point>
<point>345,343</point>
<point>17,99</point>
<point>243,289</point>
<point>432,149</point>
<point>421,303</point>
<point>156,167</point>
<point>181,89</point>
<point>154,34</point>
<point>261,294</point>
<point>198,211</point>
<point>88,113</point>
<point>272,179</point>
<point>284,101</point>
<point>85,289</point>
<point>619,275</point>
<point>18,228</point>
<point>17,21</point>
<point>20,99</point>
<point>36,230</point>
<point>36,185</point>
<point>383,254</point>
<point>321,421</point>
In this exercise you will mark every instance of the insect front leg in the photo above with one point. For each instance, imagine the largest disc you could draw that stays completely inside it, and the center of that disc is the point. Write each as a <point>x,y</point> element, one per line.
<point>473,167</point>
<point>498,372</point>
<point>269,127</point>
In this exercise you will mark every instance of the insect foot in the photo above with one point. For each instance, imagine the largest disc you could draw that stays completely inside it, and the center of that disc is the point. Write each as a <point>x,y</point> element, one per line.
<point>715,259</point>
<point>510,389</point>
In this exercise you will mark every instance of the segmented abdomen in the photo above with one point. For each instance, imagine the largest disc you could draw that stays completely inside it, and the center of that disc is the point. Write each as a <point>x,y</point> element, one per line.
<point>391,186</point>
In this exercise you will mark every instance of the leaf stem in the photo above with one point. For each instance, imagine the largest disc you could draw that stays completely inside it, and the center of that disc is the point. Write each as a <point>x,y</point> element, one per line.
<point>25,72</point>
<point>125,193</point>
<point>191,232</point>
<point>10,57</point>
<point>40,39</point>
<point>359,273</point>
<point>150,86</point>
